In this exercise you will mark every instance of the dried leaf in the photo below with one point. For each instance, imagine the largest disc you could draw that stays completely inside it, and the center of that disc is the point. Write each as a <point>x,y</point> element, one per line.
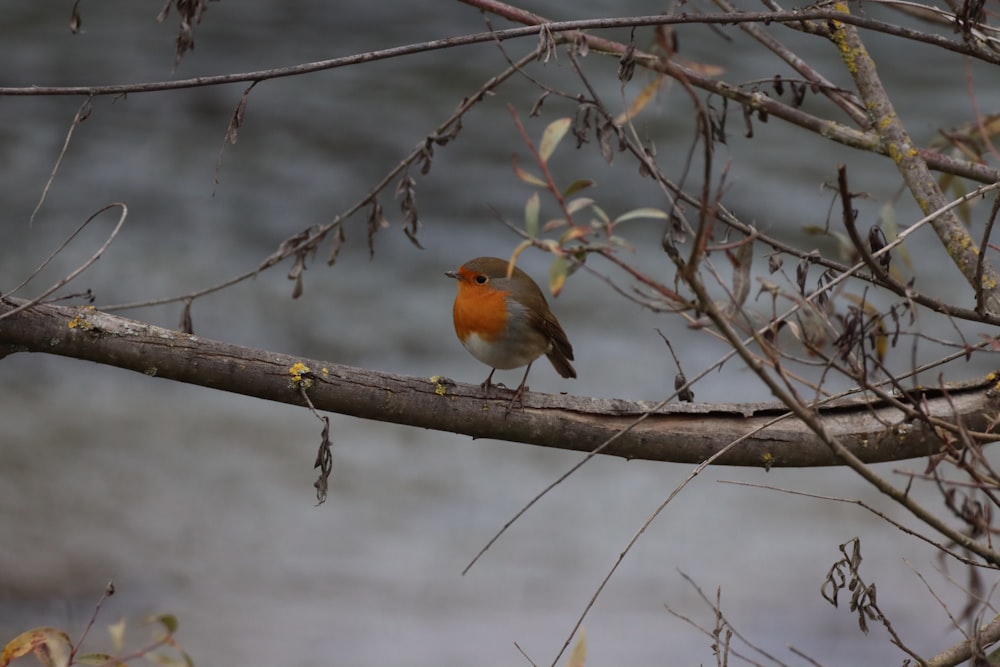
<point>684,394</point>
<point>526,176</point>
<point>117,633</point>
<point>557,274</point>
<point>701,68</point>
<point>324,461</point>
<point>554,223</point>
<point>236,122</point>
<point>641,101</point>
<point>442,139</point>
<point>546,44</point>
<point>887,221</point>
<point>626,66</point>
<point>605,132</point>
<point>336,245</point>
<point>875,328</point>
<point>426,157</point>
<point>376,221</point>
<point>574,233</point>
<point>801,273</point>
<point>75,21</point>
<point>666,38</point>
<point>551,137</point>
<point>406,191</point>
<point>84,112</point>
<point>190,12</point>
<point>536,108</point>
<point>50,645</point>
<point>748,120</point>
<point>876,242</point>
<point>774,262</point>
<point>186,324</point>
<point>578,658</point>
<point>741,260</point>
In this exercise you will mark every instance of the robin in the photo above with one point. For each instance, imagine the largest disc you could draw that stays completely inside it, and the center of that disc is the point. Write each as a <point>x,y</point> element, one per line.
<point>506,322</point>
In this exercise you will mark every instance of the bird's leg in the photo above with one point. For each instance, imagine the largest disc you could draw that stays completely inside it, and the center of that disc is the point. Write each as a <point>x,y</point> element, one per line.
<point>487,383</point>
<point>521,388</point>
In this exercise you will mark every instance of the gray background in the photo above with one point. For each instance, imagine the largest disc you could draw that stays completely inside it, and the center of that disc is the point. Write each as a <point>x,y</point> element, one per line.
<point>201,504</point>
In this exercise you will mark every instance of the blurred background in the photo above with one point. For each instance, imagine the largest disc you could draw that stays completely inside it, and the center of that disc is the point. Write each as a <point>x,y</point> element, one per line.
<point>201,504</point>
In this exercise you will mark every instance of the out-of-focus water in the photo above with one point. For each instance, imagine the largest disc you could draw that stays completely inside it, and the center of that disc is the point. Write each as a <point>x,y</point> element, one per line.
<point>201,504</point>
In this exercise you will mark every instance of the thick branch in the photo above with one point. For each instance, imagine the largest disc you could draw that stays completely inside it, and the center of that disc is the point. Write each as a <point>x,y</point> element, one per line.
<point>683,433</point>
<point>953,234</point>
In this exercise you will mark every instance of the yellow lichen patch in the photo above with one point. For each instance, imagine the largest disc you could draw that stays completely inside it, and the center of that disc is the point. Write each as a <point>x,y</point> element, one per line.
<point>887,121</point>
<point>440,384</point>
<point>300,375</point>
<point>894,153</point>
<point>80,321</point>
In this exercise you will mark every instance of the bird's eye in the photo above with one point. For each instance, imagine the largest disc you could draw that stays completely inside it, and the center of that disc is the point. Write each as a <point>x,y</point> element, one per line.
<point>481,279</point>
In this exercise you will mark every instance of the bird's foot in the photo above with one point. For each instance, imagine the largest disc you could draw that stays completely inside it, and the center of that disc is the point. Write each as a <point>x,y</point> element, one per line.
<point>518,397</point>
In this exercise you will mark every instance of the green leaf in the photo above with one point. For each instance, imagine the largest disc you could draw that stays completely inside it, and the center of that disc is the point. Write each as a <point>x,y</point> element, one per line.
<point>98,659</point>
<point>168,621</point>
<point>574,205</point>
<point>531,215</point>
<point>653,213</point>
<point>577,185</point>
<point>552,136</point>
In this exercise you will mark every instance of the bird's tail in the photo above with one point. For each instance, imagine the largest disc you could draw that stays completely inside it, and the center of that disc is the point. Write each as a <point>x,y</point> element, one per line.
<point>561,363</point>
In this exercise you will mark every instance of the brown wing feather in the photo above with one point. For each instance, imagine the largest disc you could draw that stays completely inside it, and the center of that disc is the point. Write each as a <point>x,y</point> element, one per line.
<point>562,352</point>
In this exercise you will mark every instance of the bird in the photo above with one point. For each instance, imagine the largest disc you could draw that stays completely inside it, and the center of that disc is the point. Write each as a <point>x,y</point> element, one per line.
<point>506,322</point>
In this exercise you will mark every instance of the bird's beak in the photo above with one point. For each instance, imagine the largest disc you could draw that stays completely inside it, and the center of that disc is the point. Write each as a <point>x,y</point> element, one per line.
<point>451,274</point>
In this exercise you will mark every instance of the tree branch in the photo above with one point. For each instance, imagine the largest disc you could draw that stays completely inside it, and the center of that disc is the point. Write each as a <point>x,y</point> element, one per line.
<point>953,234</point>
<point>682,433</point>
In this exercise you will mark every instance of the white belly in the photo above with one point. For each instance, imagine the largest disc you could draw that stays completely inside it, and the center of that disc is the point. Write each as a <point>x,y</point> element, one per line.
<point>500,354</point>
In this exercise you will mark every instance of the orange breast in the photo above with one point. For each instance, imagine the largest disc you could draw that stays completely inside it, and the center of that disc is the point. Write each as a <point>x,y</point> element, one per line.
<point>480,310</point>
